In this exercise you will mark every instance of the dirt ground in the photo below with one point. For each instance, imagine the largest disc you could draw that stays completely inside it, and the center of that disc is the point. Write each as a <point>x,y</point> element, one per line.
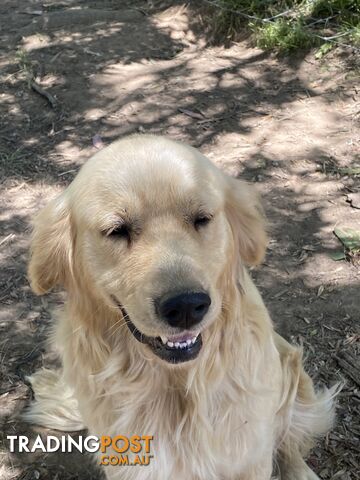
<point>289,124</point>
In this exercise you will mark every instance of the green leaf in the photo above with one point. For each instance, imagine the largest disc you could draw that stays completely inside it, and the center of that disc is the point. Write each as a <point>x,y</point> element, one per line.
<point>323,50</point>
<point>337,256</point>
<point>349,237</point>
<point>349,171</point>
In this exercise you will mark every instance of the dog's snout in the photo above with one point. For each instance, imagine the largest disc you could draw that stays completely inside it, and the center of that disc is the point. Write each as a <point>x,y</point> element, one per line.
<point>184,310</point>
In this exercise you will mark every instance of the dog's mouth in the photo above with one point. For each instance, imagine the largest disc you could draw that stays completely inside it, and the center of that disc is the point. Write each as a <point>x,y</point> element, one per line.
<point>173,349</point>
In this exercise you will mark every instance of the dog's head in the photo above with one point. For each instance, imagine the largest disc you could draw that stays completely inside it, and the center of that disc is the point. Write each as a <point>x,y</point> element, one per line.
<point>152,228</point>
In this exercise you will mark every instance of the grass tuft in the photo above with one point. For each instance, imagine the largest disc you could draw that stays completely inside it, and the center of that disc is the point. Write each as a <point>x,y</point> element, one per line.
<point>286,25</point>
<point>283,35</point>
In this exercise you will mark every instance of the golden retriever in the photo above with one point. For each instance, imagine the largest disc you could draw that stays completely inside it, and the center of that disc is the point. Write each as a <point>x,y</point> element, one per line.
<point>164,333</point>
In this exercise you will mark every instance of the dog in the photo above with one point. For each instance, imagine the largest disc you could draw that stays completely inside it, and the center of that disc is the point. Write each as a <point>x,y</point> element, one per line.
<point>164,332</point>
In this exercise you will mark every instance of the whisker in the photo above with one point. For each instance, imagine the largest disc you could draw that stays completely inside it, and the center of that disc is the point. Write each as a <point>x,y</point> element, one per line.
<point>116,323</point>
<point>118,329</point>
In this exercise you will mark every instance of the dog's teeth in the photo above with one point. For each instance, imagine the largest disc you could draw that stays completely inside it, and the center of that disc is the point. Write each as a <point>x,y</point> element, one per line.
<point>164,339</point>
<point>184,344</point>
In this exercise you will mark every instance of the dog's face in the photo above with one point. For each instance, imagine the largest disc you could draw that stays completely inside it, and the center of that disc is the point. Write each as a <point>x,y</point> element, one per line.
<point>149,227</point>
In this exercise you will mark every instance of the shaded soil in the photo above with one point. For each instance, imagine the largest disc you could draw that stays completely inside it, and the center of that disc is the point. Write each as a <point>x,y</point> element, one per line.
<point>289,124</point>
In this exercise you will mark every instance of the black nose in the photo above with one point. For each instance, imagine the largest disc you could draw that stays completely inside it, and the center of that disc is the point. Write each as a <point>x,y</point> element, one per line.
<point>184,310</point>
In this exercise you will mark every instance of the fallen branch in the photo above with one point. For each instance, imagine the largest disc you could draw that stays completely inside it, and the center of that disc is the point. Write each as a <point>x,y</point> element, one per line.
<point>41,91</point>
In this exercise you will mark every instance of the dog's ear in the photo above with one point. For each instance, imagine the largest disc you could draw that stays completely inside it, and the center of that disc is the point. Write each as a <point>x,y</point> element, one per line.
<point>245,215</point>
<point>51,247</point>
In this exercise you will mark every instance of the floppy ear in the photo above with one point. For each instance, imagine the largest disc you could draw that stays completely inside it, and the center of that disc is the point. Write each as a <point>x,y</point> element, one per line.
<point>51,247</point>
<point>245,215</point>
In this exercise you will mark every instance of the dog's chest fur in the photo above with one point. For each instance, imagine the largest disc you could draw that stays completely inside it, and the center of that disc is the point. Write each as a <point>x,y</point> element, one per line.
<point>201,431</point>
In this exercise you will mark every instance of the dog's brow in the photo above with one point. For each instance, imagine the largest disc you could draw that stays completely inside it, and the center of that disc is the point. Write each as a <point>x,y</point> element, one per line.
<point>112,219</point>
<point>195,205</point>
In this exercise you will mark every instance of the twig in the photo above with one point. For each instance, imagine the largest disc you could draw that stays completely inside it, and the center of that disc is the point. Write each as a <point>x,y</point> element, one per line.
<point>190,113</point>
<point>32,12</point>
<point>141,10</point>
<point>341,44</point>
<point>7,238</point>
<point>282,14</point>
<point>91,52</point>
<point>56,56</point>
<point>333,37</point>
<point>65,173</point>
<point>321,20</point>
<point>41,91</point>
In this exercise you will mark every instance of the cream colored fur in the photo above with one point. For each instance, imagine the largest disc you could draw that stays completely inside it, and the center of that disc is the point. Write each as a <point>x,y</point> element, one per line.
<point>245,403</point>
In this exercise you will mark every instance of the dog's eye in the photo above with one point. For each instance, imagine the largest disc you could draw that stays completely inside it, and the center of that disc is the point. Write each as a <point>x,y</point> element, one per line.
<point>201,221</point>
<point>119,231</point>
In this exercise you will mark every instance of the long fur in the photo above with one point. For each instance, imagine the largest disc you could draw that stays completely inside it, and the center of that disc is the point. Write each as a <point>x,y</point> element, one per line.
<point>243,403</point>
<point>55,405</point>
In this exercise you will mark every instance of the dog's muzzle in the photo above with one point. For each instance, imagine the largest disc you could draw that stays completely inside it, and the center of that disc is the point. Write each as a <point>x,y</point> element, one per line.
<point>175,349</point>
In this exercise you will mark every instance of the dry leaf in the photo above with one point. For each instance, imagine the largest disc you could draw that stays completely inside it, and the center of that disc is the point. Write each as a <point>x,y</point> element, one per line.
<point>321,290</point>
<point>191,113</point>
